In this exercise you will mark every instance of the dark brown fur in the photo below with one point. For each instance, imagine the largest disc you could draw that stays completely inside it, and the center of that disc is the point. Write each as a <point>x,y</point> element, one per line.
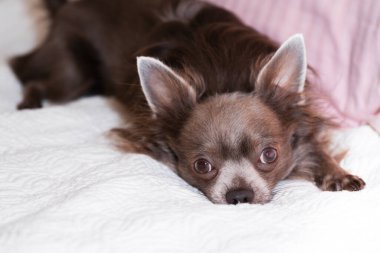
<point>92,49</point>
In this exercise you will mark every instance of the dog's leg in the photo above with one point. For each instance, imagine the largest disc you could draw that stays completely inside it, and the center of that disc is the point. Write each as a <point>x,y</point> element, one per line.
<point>58,72</point>
<point>329,176</point>
<point>33,96</point>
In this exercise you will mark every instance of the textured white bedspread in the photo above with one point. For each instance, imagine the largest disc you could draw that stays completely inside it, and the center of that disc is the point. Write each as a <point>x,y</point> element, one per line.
<point>64,188</point>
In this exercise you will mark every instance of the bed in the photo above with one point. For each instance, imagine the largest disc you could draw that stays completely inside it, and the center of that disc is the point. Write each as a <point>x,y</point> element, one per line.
<point>65,188</point>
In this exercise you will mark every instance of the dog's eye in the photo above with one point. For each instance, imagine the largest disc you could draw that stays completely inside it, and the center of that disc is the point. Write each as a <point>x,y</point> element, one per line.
<point>202,166</point>
<point>268,155</point>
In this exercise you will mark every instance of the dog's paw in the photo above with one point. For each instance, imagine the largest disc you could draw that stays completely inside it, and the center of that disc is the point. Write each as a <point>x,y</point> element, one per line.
<point>340,182</point>
<point>29,104</point>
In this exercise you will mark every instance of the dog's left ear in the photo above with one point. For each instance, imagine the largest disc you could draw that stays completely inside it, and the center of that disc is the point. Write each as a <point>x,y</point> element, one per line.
<point>287,68</point>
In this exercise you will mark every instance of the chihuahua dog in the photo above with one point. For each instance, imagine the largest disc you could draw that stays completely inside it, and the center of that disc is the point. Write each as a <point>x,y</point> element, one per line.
<point>218,102</point>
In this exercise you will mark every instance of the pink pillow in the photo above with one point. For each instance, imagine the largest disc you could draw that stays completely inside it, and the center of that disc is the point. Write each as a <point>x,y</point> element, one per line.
<point>343,45</point>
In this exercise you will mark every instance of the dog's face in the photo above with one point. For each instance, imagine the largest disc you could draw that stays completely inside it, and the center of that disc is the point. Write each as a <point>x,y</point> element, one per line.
<point>233,147</point>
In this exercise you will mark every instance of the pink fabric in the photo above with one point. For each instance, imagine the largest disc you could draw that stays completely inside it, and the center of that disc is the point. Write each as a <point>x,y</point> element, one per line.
<point>343,45</point>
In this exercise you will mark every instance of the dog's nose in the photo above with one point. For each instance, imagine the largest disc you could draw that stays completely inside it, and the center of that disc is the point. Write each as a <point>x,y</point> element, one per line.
<point>239,196</point>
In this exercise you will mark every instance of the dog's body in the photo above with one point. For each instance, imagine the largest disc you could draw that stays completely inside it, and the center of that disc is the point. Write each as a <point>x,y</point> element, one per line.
<point>223,105</point>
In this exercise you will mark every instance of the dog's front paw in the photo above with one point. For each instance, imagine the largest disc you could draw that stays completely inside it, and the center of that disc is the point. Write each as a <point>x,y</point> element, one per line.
<point>29,104</point>
<point>340,182</point>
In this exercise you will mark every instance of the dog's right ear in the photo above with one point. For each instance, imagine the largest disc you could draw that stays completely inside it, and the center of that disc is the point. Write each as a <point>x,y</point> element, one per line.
<point>165,91</point>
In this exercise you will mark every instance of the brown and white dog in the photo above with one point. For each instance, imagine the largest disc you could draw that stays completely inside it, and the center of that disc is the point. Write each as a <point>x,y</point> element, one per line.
<point>214,99</point>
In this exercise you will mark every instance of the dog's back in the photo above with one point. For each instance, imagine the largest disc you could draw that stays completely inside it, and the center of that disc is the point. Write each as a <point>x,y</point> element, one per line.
<point>86,46</point>
<point>92,46</point>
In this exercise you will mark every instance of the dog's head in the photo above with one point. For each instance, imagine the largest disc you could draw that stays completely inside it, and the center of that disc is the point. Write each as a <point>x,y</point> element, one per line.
<point>234,147</point>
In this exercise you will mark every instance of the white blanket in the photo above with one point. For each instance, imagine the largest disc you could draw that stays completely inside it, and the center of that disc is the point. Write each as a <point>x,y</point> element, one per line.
<point>64,188</point>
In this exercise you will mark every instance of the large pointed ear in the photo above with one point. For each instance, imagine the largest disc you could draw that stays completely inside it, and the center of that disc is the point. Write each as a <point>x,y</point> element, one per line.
<point>287,68</point>
<point>165,90</point>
